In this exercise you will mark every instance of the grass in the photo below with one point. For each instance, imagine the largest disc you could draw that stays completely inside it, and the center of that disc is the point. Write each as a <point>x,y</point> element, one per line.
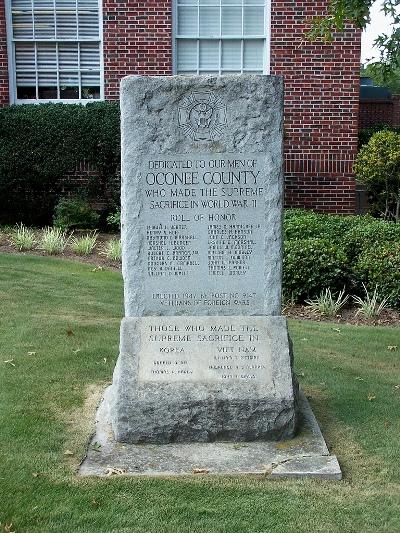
<point>59,325</point>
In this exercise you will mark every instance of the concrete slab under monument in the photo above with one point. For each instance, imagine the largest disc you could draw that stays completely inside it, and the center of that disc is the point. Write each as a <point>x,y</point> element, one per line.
<point>304,456</point>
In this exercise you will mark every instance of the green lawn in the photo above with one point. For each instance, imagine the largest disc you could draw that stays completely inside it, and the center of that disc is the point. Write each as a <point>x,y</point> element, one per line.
<point>59,325</point>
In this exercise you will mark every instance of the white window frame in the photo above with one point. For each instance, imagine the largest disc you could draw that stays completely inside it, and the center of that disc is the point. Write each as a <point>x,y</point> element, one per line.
<point>267,37</point>
<point>12,65</point>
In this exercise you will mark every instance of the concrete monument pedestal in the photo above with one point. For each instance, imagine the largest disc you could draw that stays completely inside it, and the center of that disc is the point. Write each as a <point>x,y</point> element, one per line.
<point>213,399</point>
<point>306,455</point>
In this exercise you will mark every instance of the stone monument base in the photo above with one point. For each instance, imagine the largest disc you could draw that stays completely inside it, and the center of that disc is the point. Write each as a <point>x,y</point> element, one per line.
<point>203,379</point>
<point>304,456</point>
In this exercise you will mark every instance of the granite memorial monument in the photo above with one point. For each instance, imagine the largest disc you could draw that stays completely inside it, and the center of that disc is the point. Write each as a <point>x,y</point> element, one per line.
<point>205,353</point>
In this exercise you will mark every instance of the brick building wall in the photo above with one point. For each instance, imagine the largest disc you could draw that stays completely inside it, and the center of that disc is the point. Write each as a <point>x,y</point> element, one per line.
<point>321,95</point>
<point>321,108</point>
<point>137,40</point>
<point>374,112</point>
<point>396,110</point>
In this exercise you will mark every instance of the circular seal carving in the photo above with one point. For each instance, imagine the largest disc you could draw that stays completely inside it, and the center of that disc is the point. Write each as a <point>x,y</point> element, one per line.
<point>202,116</point>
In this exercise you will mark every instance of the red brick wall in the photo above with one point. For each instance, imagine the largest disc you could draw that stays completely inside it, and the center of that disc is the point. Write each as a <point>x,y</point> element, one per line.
<point>396,110</point>
<point>4,95</point>
<point>322,89</point>
<point>321,108</point>
<point>385,112</point>
<point>137,40</point>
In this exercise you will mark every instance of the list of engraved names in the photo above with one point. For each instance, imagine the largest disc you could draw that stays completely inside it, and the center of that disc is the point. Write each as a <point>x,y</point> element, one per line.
<point>203,348</point>
<point>203,216</point>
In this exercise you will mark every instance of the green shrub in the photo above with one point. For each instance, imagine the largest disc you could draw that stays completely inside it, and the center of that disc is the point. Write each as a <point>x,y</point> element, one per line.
<point>114,220</point>
<point>378,165</point>
<point>365,236</point>
<point>300,224</point>
<point>75,213</point>
<point>379,266</point>
<point>311,265</point>
<point>41,144</point>
<point>365,134</point>
<point>337,251</point>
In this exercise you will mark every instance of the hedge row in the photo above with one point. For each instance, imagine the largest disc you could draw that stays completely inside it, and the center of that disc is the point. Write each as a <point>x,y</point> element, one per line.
<point>339,252</point>
<point>40,144</point>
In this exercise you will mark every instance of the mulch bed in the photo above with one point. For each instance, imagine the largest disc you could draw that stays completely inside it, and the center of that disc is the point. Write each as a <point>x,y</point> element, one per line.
<point>96,258</point>
<point>388,317</point>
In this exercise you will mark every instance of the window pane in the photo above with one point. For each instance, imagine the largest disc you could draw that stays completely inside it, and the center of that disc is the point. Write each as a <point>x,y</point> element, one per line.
<point>66,24</point>
<point>253,54</point>
<point>209,22</point>
<point>232,21</point>
<point>68,56</point>
<point>186,55</point>
<point>46,56</point>
<point>90,82</point>
<point>47,85</point>
<point>231,54</point>
<point>44,25</point>
<point>91,93</point>
<point>87,4</point>
<point>26,85</point>
<point>47,79</point>
<point>254,2</point>
<point>88,23</point>
<point>40,5</point>
<point>209,55</point>
<point>16,5</point>
<point>69,78</point>
<point>24,56</point>
<point>26,79</point>
<point>254,21</point>
<point>69,85</point>
<point>66,5</point>
<point>231,2</point>
<point>90,78</point>
<point>90,56</point>
<point>22,25</point>
<point>187,21</point>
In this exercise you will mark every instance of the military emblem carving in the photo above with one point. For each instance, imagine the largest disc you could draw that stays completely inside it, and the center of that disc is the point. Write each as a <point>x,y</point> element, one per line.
<point>202,116</point>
